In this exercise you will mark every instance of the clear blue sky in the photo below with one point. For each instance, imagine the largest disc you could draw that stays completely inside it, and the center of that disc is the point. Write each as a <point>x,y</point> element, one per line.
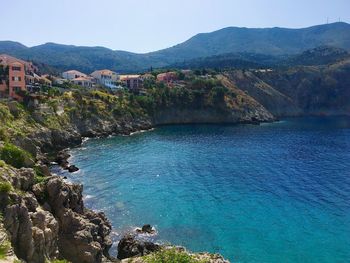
<point>148,25</point>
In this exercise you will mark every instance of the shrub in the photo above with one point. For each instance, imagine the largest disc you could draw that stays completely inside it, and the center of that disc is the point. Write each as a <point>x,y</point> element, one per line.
<point>4,248</point>
<point>13,155</point>
<point>170,256</point>
<point>5,187</point>
<point>3,135</point>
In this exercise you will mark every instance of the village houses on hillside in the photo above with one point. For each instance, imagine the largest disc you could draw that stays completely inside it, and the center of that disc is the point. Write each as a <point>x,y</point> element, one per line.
<point>18,77</point>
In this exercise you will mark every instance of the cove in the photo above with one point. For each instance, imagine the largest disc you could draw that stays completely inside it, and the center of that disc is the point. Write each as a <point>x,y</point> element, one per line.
<point>275,192</point>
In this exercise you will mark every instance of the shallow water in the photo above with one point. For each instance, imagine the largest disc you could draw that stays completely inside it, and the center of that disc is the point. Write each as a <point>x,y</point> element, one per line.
<point>277,192</point>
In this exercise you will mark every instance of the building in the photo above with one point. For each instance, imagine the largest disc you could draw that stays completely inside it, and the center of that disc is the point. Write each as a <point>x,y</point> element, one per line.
<point>14,77</point>
<point>167,77</point>
<point>86,82</point>
<point>73,74</point>
<point>132,82</point>
<point>106,78</point>
<point>17,83</point>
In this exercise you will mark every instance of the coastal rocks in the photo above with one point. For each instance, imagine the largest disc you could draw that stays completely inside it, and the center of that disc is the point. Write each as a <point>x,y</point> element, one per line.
<point>72,168</point>
<point>18,224</point>
<point>129,246</point>
<point>33,232</point>
<point>45,235</point>
<point>146,229</point>
<point>62,160</point>
<point>83,234</point>
<point>24,179</point>
<point>65,138</point>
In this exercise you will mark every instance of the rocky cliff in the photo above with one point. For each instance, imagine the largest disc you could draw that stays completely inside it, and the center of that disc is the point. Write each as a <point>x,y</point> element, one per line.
<point>302,90</point>
<point>48,220</point>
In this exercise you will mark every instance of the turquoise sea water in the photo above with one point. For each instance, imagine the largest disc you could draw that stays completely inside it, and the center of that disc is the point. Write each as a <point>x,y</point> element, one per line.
<point>277,192</point>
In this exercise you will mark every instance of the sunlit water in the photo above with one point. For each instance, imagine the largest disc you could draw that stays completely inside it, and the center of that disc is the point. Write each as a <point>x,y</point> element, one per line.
<point>276,192</point>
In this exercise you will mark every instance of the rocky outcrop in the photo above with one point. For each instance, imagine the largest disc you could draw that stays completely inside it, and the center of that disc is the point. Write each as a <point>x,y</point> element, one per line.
<point>133,249</point>
<point>83,234</point>
<point>130,246</point>
<point>48,220</point>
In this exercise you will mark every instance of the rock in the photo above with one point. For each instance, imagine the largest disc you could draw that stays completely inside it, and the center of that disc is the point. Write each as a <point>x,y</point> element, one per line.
<point>146,229</point>
<point>24,179</point>
<point>62,158</point>
<point>72,168</point>
<point>83,234</point>
<point>45,235</point>
<point>129,247</point>
<point>18,224</point>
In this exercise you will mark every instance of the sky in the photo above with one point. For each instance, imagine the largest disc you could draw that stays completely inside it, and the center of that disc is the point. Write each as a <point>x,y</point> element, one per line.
<point>149,25</point>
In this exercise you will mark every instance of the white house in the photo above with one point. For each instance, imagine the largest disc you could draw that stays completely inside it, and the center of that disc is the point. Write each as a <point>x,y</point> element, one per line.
<point>106,78</point>
<point>73,74</point>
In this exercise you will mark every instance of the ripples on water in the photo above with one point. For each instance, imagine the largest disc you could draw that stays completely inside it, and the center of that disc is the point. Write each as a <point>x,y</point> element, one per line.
<point>276,192</point>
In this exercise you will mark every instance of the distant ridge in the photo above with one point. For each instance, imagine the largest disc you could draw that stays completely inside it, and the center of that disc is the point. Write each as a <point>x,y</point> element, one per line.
<point>267,41</point>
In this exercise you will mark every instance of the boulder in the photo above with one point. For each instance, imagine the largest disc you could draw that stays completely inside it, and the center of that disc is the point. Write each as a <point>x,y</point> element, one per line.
<point>72,168</point>
<point>83,234</point>
<point>24,179</point>
<point>129,246</point>
<point>148,229</point>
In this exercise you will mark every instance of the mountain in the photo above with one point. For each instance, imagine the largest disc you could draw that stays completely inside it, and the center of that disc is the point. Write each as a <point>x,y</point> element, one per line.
<point>322,55</point>
<point>267,41</point>
<point>312,57</point>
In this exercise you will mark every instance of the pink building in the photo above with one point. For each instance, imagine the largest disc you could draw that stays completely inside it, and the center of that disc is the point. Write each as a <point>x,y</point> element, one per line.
<point>18,72</point>
<point>167,77</point>
<point>17,82</point>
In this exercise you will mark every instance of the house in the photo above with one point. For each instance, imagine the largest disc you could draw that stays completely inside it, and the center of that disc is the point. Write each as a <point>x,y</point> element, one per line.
<point>73,74</point>
<point>167,77</point>
<point>132,82</point>
<point>13,80</point>
<point>17,83</point>
<point>86,82</point>
<point>16,76</point>
<point>106,78</point>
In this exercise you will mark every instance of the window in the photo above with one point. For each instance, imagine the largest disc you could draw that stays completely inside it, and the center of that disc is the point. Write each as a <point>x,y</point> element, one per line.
<point>17,89</point>
<point>13,78</point>
<point>19,78</point>
<point>16,68</point>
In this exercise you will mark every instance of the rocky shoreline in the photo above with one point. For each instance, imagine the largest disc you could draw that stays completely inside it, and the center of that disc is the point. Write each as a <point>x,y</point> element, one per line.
<point>44,215</point>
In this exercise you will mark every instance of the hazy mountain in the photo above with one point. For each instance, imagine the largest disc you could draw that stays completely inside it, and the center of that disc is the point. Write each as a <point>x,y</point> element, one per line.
<point>317,56</point>
<point>267,41</point>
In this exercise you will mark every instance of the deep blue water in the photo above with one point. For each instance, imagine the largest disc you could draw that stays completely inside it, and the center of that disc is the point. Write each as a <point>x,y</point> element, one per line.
<point>277,192</point>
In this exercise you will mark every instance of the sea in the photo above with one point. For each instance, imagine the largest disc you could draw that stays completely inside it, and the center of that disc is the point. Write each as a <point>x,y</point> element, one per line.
<point>275,192</point>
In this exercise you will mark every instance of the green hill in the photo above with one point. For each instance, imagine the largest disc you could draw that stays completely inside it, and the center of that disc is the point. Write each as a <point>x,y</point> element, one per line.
<point>266,41</point>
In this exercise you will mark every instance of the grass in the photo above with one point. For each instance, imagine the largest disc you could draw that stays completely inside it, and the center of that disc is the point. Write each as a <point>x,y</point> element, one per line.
<point>170,256</point>
<point>5,187</point>
<point>4,248</point>
<point>13,155</point>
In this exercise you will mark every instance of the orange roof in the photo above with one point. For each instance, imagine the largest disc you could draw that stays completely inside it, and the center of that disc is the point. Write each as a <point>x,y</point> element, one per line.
<point>104,72</point>
<point>7,59</point>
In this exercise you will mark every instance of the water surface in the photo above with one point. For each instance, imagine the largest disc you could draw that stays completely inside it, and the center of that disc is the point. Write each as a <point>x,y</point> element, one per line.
<point>277,192</point>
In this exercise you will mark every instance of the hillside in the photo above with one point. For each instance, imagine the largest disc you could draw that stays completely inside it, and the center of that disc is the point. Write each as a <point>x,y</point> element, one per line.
<point>267,41</point>
<point>300,90</point>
